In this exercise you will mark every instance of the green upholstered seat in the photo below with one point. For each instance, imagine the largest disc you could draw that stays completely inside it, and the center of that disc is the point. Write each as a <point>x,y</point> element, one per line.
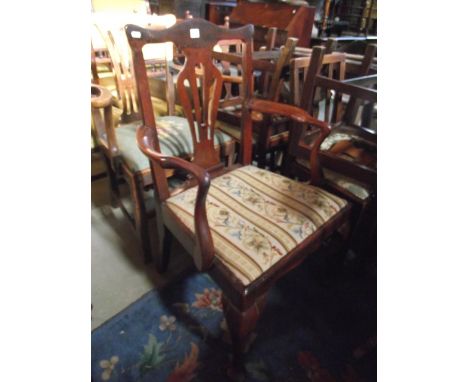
<point>175,139</point>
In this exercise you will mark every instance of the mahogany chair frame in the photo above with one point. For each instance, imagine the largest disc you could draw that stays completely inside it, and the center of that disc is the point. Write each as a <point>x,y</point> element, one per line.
<point>242,305</point>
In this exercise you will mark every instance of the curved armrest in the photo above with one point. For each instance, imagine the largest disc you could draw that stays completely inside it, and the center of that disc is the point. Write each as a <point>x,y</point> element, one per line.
<point>293,112</point>
<point>100,96</point>
<point>299,115</point>
<point>204,251</point>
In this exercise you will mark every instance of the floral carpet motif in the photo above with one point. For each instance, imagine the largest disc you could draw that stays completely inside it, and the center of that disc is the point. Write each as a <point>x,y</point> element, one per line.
<point>324,333</point>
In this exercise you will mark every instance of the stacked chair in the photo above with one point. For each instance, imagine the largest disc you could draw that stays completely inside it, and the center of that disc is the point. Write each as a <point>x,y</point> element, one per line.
<point>349,154</point>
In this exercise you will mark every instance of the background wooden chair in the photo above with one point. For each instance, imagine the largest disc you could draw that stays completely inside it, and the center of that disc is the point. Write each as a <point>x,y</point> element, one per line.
<point>101,64</point>
<point>333,66</point>
<point>244,225</point>
<point>361,56</point>
<point>270,132</point>
<point>158,58</point>
<point>349,154</point>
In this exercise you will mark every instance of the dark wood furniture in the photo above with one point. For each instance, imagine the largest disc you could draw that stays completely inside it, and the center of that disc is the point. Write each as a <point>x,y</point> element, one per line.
<point>353,15</point>
<point>356,64</point>
<point>335,65</point>
<point>216,11</point>
<point>290,20</point>
<point>226,216</point>
<point>270,133</point>
<point>349,154</point>
<point>179,7</point>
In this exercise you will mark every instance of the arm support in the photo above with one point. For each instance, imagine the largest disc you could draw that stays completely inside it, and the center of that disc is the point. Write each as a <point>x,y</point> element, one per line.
<point>204,250</point>
<point>101,98</point>
<point>300,116</point>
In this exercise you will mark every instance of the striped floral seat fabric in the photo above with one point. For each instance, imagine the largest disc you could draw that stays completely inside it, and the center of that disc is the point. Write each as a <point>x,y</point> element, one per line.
<point>257,217</point>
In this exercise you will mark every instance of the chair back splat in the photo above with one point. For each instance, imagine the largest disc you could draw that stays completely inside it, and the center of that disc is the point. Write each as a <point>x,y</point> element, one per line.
<point>196,39</point>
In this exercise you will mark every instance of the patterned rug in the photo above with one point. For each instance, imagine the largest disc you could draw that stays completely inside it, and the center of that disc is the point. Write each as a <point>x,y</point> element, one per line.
<point>317,326</point>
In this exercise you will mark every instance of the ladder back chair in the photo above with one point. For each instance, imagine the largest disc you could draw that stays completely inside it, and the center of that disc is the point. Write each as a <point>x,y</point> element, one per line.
<point>244,225</point>
<point>333,66</point>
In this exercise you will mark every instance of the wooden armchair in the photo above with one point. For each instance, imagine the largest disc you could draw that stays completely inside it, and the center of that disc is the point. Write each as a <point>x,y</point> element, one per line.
<point>244,225</point>
<point>349,154</point>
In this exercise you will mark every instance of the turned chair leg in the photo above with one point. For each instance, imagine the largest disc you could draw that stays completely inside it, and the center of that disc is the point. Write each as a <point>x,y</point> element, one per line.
<point>241,324</point>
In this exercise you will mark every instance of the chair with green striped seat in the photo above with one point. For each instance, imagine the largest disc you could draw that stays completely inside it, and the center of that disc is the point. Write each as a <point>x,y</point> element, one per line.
<point>125,162</point>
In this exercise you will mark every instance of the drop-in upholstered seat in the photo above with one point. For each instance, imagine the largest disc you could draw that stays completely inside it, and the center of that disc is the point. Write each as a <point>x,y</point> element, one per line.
<point>175,140</point>
<point>256,217</point>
